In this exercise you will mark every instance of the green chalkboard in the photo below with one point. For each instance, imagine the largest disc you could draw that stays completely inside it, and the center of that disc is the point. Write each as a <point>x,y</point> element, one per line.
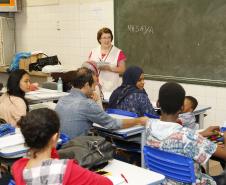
<point>182,40</point>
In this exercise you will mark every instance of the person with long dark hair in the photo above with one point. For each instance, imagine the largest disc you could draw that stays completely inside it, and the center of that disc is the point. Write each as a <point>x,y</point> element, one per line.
<point>13,104</point>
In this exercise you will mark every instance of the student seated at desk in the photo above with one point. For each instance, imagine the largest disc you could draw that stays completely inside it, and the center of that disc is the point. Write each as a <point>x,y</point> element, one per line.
<point>67,77</point>
<point>131,96</point>
<point>187,117</point>
<point>77,111</point>
<point>40,129</point>
<point>97,94</point>
<point>166,134</point>
<point>13,104</point>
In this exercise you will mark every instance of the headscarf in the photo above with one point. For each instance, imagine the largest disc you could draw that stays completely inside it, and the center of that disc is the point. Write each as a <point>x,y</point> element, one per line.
<point>129,80</point>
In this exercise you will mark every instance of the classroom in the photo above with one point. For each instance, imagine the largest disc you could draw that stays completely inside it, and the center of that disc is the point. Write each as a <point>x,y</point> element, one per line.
<point>68,29</point>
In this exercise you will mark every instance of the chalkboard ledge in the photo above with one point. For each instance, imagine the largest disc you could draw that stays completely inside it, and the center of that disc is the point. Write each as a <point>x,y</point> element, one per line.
<point>197,81</point>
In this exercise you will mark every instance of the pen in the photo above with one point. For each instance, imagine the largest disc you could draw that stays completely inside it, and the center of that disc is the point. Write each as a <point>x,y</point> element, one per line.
<point>124,178</point>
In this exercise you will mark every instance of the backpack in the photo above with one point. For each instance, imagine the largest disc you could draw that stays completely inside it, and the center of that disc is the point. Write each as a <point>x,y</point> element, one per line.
<point>88,151</point>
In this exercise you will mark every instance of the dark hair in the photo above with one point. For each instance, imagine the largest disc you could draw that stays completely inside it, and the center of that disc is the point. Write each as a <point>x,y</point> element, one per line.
<point>38,126</point>
<point>13,84</point>
<point>83,75</point>
<point>104,30</point>
<point>92,66</point>
<point>193,101</point>
<point>171,97</point>
<point>84,69</point>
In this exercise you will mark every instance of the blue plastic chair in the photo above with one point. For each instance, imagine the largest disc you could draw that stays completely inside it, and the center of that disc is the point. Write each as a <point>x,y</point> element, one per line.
<point>173,166</point>
<point>121,112</point>
<point>12,182</point>
<point>64,139</point>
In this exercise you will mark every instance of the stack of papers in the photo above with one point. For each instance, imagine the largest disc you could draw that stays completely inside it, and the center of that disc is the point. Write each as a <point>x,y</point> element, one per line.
<point>49,105</point>
<point>44,94</point>
<point>102,63</point>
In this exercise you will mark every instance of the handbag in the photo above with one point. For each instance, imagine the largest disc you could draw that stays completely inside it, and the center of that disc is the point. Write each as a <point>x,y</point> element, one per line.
<point>42,62</point>
<point>88,151</point>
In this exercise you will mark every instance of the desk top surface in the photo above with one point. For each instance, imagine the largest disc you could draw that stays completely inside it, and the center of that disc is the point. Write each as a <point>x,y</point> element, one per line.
<point>43,94</point>
<point>201,109</point>
<point>134,174</point>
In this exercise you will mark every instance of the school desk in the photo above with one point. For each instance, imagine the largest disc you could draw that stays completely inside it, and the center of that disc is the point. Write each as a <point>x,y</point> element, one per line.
<point>43,95</point>
<point>134,175</point>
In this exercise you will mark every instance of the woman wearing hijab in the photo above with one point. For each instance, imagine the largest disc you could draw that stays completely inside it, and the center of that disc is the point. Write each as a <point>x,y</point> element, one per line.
<point>131,96</point>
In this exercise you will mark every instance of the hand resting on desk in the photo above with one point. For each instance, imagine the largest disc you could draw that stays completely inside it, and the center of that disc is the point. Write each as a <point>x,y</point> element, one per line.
<point>126,123</point>
<point>221,149</point>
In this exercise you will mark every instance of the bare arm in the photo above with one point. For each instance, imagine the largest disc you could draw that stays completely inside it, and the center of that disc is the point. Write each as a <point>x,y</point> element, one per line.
<point>221,149</point>
<point>126,123</point>
<point>209,131</point>
<point>119,69</point>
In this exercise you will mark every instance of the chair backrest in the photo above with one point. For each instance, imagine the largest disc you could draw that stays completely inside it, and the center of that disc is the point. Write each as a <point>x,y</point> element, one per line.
<point>121,112</point>
<point>12,182</point>
<point>173,166</point>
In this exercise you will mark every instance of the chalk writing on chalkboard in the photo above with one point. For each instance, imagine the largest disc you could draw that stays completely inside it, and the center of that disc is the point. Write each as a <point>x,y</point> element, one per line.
<point>181,40</point>
<point>145,29</point>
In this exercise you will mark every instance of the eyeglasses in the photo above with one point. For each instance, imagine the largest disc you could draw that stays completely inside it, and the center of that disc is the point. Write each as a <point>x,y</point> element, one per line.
<point>105,38</point>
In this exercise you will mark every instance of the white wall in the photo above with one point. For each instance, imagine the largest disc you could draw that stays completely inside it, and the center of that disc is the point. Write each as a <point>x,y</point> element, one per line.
<point>68,28</point>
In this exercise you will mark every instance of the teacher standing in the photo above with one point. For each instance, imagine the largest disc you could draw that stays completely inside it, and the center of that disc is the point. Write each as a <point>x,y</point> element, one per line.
<point>110,61</point>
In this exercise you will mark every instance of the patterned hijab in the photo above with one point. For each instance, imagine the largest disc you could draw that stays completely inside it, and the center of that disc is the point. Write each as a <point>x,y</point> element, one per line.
<point>129,80</point>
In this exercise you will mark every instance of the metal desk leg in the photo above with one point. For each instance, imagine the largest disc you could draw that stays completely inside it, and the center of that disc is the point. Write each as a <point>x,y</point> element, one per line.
<point>142,146</point>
